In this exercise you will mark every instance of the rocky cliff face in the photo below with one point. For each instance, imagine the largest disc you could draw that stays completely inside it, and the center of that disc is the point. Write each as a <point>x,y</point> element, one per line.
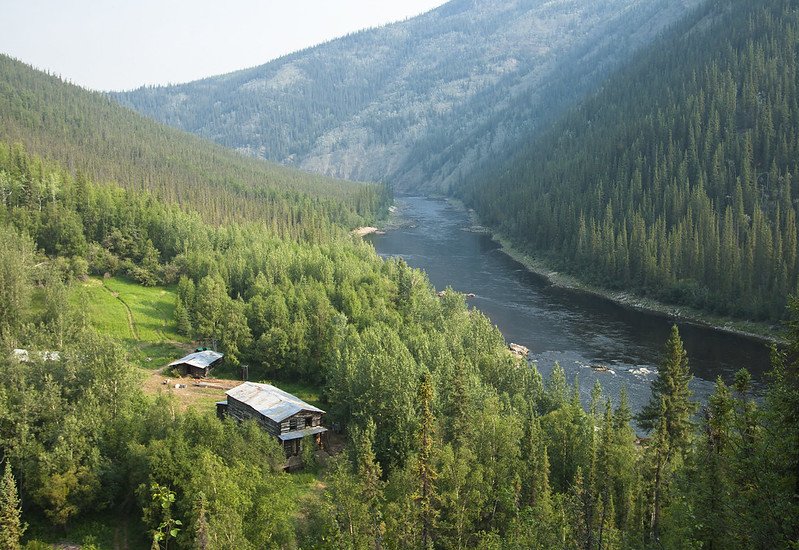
<point>421,102</point>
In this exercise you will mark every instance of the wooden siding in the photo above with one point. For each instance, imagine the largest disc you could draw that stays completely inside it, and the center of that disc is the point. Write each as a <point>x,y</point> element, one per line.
<point>240,411</point>
<point>299,421</point>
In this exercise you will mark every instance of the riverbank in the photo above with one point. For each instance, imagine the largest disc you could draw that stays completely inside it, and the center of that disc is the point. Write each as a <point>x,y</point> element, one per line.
<point>762,332</point>
<point>363,231</point>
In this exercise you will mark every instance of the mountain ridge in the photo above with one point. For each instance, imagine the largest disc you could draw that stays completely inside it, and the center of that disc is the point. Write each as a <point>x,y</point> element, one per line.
<point>88,132</point>
<point>408,103</point>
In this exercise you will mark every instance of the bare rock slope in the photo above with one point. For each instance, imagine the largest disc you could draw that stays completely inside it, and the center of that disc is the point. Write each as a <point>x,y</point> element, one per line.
<point>421,102</point>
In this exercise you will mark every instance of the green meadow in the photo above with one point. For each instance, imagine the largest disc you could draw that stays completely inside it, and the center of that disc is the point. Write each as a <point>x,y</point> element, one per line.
<point>141,317</point>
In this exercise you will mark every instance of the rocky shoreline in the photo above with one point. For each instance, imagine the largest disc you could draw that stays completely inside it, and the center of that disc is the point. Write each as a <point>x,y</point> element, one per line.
<point>748,329</point>
<point>368,230</point>
<point>761,332</point>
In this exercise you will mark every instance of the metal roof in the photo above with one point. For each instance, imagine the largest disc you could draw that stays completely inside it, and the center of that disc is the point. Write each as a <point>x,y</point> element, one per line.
<point>270,401</point>
<point>297,434</point>
<point>200,359</point>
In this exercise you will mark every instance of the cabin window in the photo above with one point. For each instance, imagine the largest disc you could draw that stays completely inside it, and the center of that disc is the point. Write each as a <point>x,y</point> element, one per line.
<point>293,424</point>
<point>308,421</point>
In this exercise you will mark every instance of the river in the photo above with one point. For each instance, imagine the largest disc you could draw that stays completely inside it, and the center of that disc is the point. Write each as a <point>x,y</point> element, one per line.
<point>575,329</point>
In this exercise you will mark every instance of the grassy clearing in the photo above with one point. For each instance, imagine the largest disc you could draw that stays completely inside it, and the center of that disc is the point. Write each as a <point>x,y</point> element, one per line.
<point>140,317</point>
<point>104,312</point>
<point>153,356</point>
<point>153,309</point>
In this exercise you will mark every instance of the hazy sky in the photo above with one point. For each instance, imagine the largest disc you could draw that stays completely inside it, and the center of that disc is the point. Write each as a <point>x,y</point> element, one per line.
<point>122,44</point>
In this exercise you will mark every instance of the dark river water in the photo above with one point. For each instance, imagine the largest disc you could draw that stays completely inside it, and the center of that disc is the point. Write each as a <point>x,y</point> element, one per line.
<point>575,329</point>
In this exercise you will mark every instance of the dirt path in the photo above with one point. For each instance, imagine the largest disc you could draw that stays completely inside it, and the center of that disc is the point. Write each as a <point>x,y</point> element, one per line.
<point>131,322</point>
<point>121,536</point>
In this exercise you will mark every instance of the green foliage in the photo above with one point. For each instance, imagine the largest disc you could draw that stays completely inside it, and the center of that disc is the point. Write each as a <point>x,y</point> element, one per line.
<point>16,262</point>
<point>169,527</point>
<point>370,475</point>
<point>678,178</point>
<point>11,526</point>
<point>670,405</point>
<point>426,492</point>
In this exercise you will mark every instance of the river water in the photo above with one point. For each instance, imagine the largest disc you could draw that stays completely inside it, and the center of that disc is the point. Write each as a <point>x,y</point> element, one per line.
<point>574,329</point>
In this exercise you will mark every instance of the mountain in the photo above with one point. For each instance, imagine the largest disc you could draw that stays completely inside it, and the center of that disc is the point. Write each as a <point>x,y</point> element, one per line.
<point>678,180</point>
<point>419,102</point>
<point>89,133</point>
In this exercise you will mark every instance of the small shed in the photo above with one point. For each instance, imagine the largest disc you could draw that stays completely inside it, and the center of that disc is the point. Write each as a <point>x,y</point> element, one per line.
<point>285,416</point>
<point>198,364</point>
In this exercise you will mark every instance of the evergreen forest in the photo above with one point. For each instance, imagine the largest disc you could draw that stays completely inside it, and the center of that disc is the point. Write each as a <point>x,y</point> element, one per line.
<point>96,138</point>
<point>677,180</point>
<point>454,442</point>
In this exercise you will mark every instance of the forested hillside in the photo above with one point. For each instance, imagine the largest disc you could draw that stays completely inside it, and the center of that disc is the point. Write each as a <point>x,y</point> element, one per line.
<point>452,441</point>
<point>421,102</point>
<point>679,178</point>
<point>95,137</point>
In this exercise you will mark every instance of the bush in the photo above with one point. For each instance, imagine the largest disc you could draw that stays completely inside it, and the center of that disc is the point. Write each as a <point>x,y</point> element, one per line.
<point>140,275</point>
<point>79,268</point>
<point>101,260</point>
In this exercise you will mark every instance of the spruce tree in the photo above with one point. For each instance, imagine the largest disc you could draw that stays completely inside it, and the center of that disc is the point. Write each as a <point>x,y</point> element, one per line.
<point>11,526</point>
<point>669,414</point>
<point>778,459</point>
<point>182,319</point>
<point>670,401</point>
<point>369,475</point>
<point>661,451</point>
<point>426,471</point>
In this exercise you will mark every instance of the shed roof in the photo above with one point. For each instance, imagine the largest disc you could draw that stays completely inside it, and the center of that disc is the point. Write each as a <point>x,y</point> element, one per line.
<point>297,434</point>
<point>270,401</point>
<point>201,359</point>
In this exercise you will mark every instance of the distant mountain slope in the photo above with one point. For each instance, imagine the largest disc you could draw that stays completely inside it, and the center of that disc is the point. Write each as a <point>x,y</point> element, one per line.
<point>678,179</point>
<point>90,133</point>
<point>421,101</point>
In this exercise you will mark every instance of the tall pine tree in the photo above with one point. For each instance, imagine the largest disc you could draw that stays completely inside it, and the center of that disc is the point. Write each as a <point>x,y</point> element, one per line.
<point>670,405</point>
<point>426,469</point>
<point>11,526</point>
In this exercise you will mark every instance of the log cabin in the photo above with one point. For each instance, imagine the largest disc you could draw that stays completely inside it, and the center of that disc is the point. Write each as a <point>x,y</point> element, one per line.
<point>285,416</point>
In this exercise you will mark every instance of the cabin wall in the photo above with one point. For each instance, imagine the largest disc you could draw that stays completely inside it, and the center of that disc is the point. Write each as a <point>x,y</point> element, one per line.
<point>194,371</point>
<point>240,411</point>
<point>198,372</point>
<point>300,421</point>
